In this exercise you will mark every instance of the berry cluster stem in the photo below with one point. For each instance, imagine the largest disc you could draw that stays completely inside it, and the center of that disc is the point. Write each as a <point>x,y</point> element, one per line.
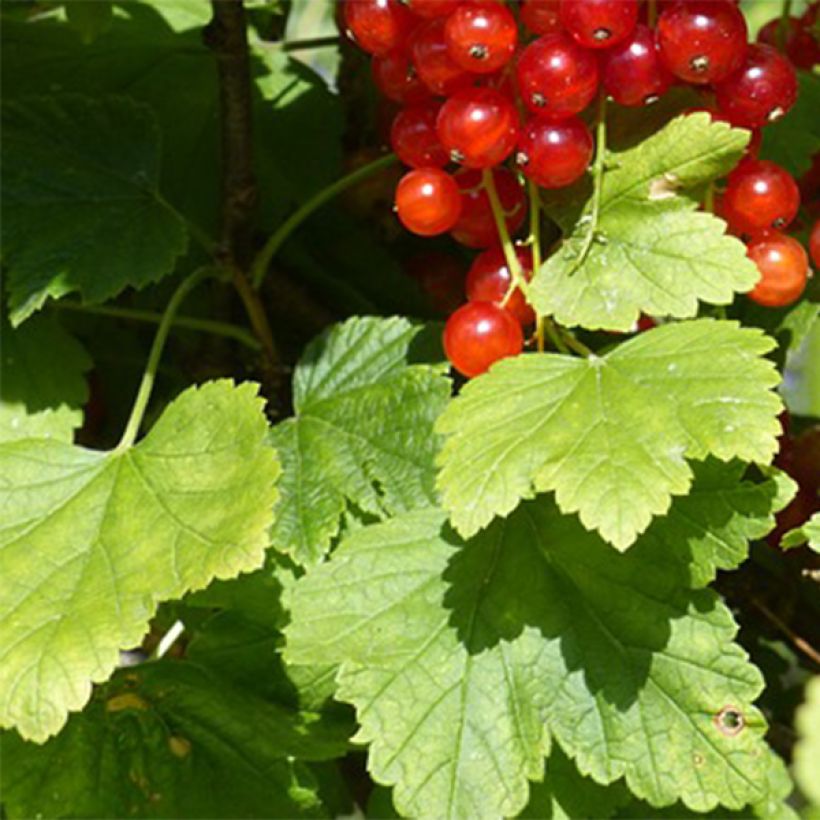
<point>535,244</point>
<point>783,28</point>
<point>518,280</point>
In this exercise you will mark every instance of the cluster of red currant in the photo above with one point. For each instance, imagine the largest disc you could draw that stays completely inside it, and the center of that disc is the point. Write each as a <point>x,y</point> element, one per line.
<point>485,82</point>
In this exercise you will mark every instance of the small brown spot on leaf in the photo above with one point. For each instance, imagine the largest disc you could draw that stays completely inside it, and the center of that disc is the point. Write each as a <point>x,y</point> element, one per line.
<point>664,187</point>
<point>729,721</point>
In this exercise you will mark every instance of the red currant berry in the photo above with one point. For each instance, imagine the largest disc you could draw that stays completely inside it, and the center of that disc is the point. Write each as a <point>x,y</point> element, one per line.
<point>554,154</point>
<point>801,47</point>
<point>478,334</point>
<point>414,139</point>
<point>632,71</point>
<point>541,16</point>
<point>478,127</point>
<point>762,90</point>
<point>645,323</point>
<point>427,201</point>
<point>433,63</point>
<point>489,279</point>
<point>599,23</point>
<point>556,76</point>
<point>432,8</point>
<point>377,26</point>
<point>481,36</point>
<point>702,41</point>
<point>759,195</point>
<point>783,266</point>
<point>814,244</point>
<point>397,79</point>
<point>476,225</point>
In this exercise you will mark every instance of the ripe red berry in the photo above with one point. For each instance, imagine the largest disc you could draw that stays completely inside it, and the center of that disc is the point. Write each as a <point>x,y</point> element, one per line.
<point>432,8</point>
<point>762,90</point>
<point>478,334</point>
<point>377,26</point>
<point>427,201</point>
<point>478,127</point>
<point>432,60</point>
<point>397,79</point>
<point>556,76</point>
<point>414,138</point>
<point>801,47</point>
<point>481,36</point>
<point>541,16</point>
<point>476,227</point>
<point>489,279</point>
<point>783,266</point>
<point>599,23</point>
<point>814,244</point>
<point>632,71</point>
<point>554,154</point>
<point>759,195</point>
<point>702,41</point>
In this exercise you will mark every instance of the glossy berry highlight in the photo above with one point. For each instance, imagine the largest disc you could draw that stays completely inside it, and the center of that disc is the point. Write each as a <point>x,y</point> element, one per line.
<point>556,76</point>
<point>377,26</point>
<point>414,138</point>
<point>633,73</point>
<point>481,36</point>
<point>478,127</point>
<point>783,266</point>
<point>702,41</point>
<point>427,201</point>
<point>599,23</point>
<point>432,61</point>
<point>554,154</point>
<point>760,195</point>
<point>478,334</point>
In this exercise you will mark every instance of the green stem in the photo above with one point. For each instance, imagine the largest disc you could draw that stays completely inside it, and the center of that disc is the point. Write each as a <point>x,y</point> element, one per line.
<point>574,344</point>
<point>518,280</point>
<point>230,331</point>
<point>200,236</point>
<point>709,198</point>
<point>783,28</point>
<point>652,13</point>
<point>263,259</point>
<point>597,180</point>
<point>309,43</point>
<point>555,336</point>
<point>148,376</point>
<point>535,245</point>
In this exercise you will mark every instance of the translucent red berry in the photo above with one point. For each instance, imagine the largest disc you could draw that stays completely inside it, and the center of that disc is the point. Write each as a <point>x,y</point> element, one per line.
<point>801,47</point>
<point>702,41</point>
<point>432,8</point>
<point>556,76</point>
<point>541,16</point>
<point>481,36</point>
<point>814,244</point>
<point>783,266</point>
<point>632,71</point>
<point>432,60</point>
<point>478,127</point>
<point>762,90</point>
<point>428,201</point>
<point>759,195</point>
<point>396,78</point>
<point>414,138</point>
<point>478,334</point>
<point>377,26</point>
<point>489,279</point>
<point>554,154</point>
<point>476,226</point>
<point>599,23</point>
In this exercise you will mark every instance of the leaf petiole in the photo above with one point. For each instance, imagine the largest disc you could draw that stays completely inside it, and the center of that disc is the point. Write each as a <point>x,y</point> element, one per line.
<point>129,436</point>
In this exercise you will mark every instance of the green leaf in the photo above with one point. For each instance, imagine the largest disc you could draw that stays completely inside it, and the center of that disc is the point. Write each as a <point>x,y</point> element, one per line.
<point>809,534</point>
<point>653,253</point>
<point>456,656</point>
<point>89,17</point>
<point>793,140</point>
<point>807,748</point>
<point>610,435</point>
<point>170,740</point>
<point>362,434</point>
<point>566,794</point>
<point>81,205</point>
<point>43,389</point>
<point>91,541</point>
